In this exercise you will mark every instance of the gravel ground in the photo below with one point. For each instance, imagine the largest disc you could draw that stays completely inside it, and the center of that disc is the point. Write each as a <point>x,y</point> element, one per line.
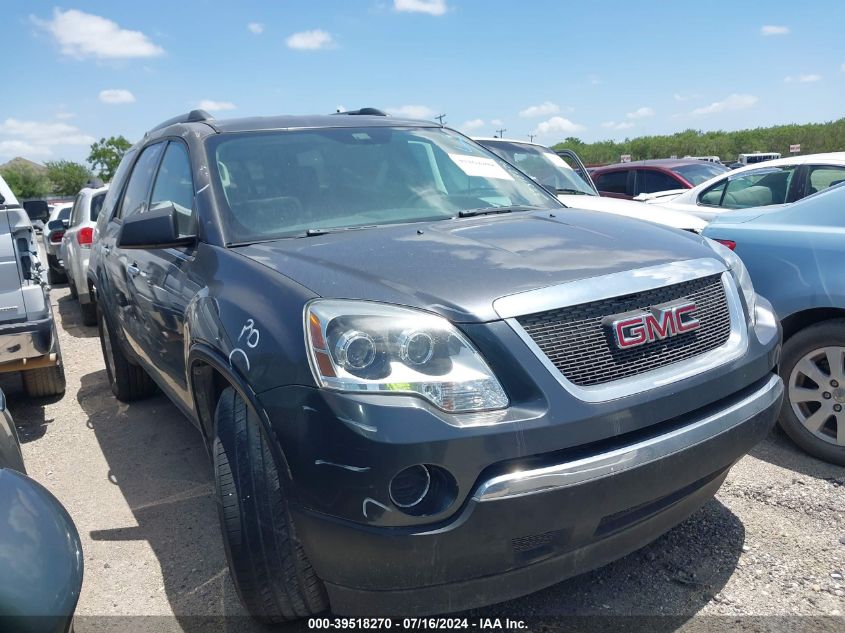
<point>136,480</point>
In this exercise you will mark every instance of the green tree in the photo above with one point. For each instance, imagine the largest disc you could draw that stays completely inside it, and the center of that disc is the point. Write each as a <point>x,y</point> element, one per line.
<point>106,154</point>
<point>25,181</point>
<point>67,177</point>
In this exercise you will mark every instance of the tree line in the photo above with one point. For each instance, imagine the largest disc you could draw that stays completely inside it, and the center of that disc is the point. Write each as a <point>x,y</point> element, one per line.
<point>65,177</point>
<point>813,138</point>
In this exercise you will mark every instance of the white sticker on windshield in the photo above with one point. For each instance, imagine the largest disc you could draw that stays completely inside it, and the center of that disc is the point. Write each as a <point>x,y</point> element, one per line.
<point>556,160</point>
<point>480,166</point>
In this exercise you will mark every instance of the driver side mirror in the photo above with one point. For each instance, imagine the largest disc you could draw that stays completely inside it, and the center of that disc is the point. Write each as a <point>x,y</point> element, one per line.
<point>56,225</point>
<point>156,228</point>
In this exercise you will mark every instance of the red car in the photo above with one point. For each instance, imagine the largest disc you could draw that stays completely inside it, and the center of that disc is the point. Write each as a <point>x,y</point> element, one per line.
<point>627,180</point>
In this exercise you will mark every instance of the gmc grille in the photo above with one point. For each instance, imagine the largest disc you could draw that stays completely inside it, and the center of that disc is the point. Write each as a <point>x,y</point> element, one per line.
<point>575,341</point>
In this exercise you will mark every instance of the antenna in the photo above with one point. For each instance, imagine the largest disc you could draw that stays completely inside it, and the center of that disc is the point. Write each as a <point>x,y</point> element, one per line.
<point>440,118</point>
<point>502,131</point>
<point>531,138</point>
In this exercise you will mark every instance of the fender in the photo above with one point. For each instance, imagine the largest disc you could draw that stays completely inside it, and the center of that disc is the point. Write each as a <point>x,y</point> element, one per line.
<point>204,353</point>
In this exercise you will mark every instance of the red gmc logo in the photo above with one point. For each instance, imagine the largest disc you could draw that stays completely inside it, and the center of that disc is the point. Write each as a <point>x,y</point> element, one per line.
<point>660,322</point>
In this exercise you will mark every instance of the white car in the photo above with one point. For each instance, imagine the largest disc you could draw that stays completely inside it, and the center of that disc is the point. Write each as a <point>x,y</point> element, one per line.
<point>576,189</point>
<point>780,181</point>
<point>77,248</point>
<point>52,239</point>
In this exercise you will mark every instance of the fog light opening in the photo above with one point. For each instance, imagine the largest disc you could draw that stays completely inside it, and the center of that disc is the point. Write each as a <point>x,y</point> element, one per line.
<point>423,489</point>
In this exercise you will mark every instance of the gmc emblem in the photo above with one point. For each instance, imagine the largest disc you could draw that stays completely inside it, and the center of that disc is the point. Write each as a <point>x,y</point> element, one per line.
<point>633,329</point>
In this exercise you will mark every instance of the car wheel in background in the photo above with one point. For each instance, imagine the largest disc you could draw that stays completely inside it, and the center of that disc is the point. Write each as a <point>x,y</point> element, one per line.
<point>272,574</point>
<point>54,275</point>
<point>44,381</point>
<point>89,312</point>
<point>128,382</point>
<point>813,370</point>
<point>73,293</point>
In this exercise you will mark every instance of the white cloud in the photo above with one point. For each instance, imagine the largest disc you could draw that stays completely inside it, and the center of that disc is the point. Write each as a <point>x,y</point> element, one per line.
<point>215,106</point>
<point>116,95</point>
<point>684,97</point>
<point>497,122</point>
<point>310,40</point>
<point>804,79</point>
<point>622,125</point>
<point>641,113</point>
<point>412,112</point>
<point>544,109</point>
<point>731,102</point>
<point>255,27</point>
<point>472,125</point>
<point>431,7</point>
<point>557,124</point>
<point>771,29</point>
<point>82,35</point>
<point>22,148</point>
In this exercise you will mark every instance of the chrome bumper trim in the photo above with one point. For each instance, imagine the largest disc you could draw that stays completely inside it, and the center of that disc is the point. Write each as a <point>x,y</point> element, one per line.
<point>582,470</point>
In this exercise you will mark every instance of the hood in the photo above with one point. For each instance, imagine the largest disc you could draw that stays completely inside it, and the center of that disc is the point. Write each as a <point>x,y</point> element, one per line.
<point>457,268</point>
<point>638,210</point>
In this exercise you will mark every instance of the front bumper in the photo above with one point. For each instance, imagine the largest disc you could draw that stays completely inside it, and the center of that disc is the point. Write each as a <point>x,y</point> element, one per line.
<point>520,532</point>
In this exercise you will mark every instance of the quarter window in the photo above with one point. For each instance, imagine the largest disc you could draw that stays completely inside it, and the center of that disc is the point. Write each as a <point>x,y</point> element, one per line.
<point>613,181</point>
<point>138,188</point>
<point>175,186</point>
<point>824,176</point>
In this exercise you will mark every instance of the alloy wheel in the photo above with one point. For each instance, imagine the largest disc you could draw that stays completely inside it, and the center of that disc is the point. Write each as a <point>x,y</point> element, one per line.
<point>817,393</point>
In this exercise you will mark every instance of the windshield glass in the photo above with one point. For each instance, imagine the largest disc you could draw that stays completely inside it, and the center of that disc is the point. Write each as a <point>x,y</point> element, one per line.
<point>543,165</point>
<point>285,183</point>
<point>697,174</point>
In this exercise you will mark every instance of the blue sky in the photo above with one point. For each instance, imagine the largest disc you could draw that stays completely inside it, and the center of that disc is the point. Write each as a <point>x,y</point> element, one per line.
<point>613,69</point>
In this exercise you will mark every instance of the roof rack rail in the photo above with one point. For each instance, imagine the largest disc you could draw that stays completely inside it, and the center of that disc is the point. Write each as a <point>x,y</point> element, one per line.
<point>194,116</point>
<point>364,111</point>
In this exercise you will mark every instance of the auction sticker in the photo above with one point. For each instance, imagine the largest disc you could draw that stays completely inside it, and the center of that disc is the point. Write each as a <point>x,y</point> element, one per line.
<point>480,166</point>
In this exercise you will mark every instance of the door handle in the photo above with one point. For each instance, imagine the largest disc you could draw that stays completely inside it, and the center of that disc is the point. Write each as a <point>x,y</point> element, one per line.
<point>106,249</point>
<point>133,270</point>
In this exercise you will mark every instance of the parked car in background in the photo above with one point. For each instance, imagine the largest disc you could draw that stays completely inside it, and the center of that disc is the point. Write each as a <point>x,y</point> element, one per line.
<point>628,180</point>
<point>41,563</point>
<point>76,247</point>
<point>780,181</point>
<point>578,191</point>
<point>795,255</point>
<point>51,236</point>
<point>38,212</point>
<point>399,347</point>
<point>28,339</point>
<point>709,159</point>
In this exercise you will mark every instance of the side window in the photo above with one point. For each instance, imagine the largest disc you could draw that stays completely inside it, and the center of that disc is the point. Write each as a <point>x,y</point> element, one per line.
<point>174,185</point>
<point>758,188</point>
<point>824,176</point>
<point>115,188</point>
<point>652,181</point>
<point>613,181</point>
<point>76,212</point>
<point>712,196</point>
<point>138,189</point>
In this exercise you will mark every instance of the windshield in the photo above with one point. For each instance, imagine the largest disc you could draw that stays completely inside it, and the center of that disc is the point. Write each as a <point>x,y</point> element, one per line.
<point>697,174</point>
<point>287,183</point>
<point>543,165</point>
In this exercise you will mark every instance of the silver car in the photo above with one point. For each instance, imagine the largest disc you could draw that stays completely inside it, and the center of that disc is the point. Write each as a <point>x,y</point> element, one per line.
<point>76,246</point>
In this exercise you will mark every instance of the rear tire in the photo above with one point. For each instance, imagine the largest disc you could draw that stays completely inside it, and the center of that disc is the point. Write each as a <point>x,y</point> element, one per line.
<point>54,274</point>
<point>800,360</point>
<point>89,313</point>
<point>44,381</point>
<point>272,574</point>
<point>74,294</point>
<point>128,382</point>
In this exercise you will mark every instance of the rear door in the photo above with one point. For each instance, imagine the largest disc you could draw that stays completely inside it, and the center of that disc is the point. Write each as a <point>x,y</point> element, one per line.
<point>162,285</point>
<point>133,199</point>
<point>654,181</point>
<point>615,184</point>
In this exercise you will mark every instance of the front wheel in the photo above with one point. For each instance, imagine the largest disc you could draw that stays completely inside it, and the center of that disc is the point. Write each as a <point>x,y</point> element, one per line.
<point>813,371</point>
<point>272,574</point>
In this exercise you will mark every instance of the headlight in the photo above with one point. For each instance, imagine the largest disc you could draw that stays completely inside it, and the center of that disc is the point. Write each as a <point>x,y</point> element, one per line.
<point>374,347</point>
<point>740,275</point>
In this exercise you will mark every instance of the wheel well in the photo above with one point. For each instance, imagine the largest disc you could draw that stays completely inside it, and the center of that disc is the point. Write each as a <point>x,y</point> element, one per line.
<point>208,384</point>
<point>794,323</point>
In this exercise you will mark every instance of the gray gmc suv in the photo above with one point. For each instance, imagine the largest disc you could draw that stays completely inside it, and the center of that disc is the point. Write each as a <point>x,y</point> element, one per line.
<point>425,384</point>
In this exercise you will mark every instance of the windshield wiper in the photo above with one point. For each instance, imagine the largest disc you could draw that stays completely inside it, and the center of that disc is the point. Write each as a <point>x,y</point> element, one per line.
<point>338,229</point>
<point>469,213</point>
<point>572,192</point>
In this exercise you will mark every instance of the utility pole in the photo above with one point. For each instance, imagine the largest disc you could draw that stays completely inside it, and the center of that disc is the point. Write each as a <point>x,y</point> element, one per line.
<point>502,131</point>
<point>531,138</point>
<point>440,118</point>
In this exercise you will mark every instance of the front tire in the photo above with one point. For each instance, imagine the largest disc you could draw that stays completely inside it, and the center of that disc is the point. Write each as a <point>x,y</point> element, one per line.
<point>128,382</point>
<point>272,574</point>
<point>813,371</point>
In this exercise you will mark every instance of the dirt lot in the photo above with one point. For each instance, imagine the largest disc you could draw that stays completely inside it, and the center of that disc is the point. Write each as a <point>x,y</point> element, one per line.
<point>137,482</point>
